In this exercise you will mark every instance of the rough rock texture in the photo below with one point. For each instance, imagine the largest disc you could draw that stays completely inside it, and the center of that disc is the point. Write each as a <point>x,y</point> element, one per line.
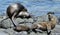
<point>7,23</point>
<point>9,31</point>
<point>42,18</point>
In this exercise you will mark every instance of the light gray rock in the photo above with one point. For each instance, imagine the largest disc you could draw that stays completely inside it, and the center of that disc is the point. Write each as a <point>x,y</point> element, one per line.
<point>22,33</point>
<point>9,31</point>
<point>2,33</point>
<point>32,33</point>
<point>8,24</point>
<point>19,20</point>
<point>42,18</point>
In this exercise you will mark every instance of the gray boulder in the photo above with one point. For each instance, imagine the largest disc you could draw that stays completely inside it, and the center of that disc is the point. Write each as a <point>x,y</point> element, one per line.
<point>42,18</point>
<point>8,24</point>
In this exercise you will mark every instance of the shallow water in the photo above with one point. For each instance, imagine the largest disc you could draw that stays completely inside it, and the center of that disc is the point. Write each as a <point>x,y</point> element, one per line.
<point>36,7</point>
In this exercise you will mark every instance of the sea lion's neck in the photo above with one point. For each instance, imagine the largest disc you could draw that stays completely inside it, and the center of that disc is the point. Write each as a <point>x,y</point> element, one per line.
<point>49,17</point>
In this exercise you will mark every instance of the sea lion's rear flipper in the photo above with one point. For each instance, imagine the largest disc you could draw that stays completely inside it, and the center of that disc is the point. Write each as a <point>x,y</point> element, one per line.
<point>48,29</point>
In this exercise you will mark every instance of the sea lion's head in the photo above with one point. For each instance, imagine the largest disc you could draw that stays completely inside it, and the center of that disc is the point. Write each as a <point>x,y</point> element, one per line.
<point>50,14</point>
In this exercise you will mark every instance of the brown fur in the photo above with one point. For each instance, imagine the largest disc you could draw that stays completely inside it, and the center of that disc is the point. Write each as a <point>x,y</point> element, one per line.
<point>22,28</point>
<point>44,26</point>
<point>13,10</point>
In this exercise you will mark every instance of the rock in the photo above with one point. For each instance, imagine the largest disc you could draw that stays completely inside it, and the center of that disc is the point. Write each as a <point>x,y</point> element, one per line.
<point>6,23</point>
<point>2,33</point>
<point>42,18</point>
<point>32,33</point>
<point>10,31</point>
<point>9,25</point>
<point>22,33</point>
<point>18,20</point>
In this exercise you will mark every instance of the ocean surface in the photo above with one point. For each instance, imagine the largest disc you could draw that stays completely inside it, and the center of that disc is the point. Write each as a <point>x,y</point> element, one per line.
<point>36,7</point>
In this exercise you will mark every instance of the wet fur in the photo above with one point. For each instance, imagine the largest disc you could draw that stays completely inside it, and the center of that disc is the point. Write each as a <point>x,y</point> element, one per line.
<point>13,10</point>
<point>22,28</point>
<point>46,26</point>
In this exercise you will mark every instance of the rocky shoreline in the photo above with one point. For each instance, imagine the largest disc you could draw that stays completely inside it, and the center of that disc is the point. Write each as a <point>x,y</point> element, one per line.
<point>7,24</point>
